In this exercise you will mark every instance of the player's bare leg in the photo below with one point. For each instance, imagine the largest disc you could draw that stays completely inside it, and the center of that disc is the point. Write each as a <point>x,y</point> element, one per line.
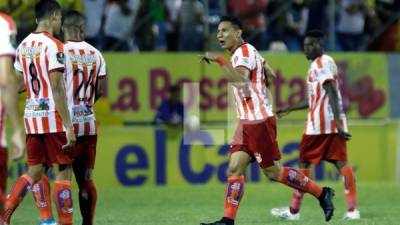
<point>21,186</point>
<point>238,162</point>
<point>87,192</point>
<point>296,179</point>
<point>350,190</point>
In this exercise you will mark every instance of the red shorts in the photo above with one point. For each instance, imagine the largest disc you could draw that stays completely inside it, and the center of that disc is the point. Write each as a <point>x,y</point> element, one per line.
<point>47,148</point>
<point>258,140</point>
<point>329,147</point>
<point>85,151</point>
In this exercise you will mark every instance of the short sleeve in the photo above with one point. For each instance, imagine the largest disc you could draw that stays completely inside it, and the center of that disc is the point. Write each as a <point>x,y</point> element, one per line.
<point>103,70</point>
<point>326,70</point>
<point>55,56</point>
<point>7,35</point>
<point>6,47</point>
<point>17,62</point>
<point>244,57</point>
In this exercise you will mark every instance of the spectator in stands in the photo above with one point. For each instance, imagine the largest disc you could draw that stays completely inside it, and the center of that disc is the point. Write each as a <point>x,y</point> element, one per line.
<point>350,29</point>
<point>277,21</point>
<point>171,23</point>
<point>191,26</point>
<point>171,110</point>
<point>216,9</point>
<point>297,20</point>
<point>251,13</point>
<point>388,13</point>
<point>317,19</point>
<point>94,13</point>
<point>119,23</point>
<point>144,34</point>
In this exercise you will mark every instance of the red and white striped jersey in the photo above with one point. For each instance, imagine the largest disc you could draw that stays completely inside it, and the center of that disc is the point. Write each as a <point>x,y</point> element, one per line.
<point>36,57</point>
<point>320,118</point>
<point>8,31</point>
<point>252,99</point>
<point>84,65</point>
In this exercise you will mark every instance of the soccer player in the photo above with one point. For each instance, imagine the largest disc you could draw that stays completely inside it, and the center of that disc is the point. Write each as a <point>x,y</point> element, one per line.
<point>255,137</point>
<point>85,80</point>
<point>326,130</point>
<point>50,133</point>
<point>8,103</point>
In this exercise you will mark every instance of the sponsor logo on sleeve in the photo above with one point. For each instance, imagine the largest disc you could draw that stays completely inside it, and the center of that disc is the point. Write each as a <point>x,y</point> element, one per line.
<point>60,57</point>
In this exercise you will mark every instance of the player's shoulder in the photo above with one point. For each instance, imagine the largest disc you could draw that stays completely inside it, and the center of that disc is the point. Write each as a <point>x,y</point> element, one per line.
<point>322,61</point>
<point>94,49</point>
<point>7,23</point>
<point>327,59</point>
<point>245,50</point>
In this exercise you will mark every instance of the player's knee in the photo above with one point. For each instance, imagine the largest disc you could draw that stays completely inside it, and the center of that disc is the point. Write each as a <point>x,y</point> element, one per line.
<point>88,175</point>
<point>234,169</point>
<point>272,173</point>
<point>63,172</point>
<point>36,173</point>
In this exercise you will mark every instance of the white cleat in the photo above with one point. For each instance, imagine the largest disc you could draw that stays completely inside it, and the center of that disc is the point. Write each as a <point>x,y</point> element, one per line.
<point>285,214</point>
<point>354,215</point>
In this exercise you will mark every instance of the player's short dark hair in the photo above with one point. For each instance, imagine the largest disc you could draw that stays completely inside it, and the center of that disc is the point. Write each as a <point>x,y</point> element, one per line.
<point>45,8</point>
<point>72,18</point>
<point>315,34</point>
<point>234,20</point>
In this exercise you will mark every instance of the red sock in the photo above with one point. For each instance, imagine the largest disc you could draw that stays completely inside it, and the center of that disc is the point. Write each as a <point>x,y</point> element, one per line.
<point>297,196</point>
<point>87,202</point>
<point>349,187</point>
<point>234,193</point>
<point>21,186</point>
<point>299,181</point>
<point>2,200</point>
<point>41,195</point>
<point>63,199</point>
<point>3,169</point>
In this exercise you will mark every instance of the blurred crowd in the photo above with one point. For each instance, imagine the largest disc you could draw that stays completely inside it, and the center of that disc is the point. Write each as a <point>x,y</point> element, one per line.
<point>190,25</point>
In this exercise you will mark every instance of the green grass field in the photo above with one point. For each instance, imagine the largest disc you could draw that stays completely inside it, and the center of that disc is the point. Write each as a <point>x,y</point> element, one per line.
<point>379,204</point>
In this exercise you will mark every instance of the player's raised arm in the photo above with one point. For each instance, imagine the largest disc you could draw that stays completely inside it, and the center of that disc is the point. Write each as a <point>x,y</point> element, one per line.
<point>8,86</point>
<point>235,75</point>
<point>60,101</point>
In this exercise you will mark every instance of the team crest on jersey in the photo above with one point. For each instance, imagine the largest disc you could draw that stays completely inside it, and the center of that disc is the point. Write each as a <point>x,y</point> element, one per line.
<point>60,57</point>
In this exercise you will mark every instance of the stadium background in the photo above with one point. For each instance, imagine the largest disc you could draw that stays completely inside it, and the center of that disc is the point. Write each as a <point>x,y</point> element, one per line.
<point>146,161</point>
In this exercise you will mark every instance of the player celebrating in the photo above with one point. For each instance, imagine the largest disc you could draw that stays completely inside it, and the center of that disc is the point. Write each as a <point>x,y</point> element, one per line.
<point>85,77</point>
<point>8,103</point>
<point>50,133</point>
<point>255,137</point>
<point>326,130</point>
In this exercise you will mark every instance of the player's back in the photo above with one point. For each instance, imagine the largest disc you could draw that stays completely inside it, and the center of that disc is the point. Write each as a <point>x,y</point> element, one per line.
<point>37,56</point>
<point>84,65</point>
